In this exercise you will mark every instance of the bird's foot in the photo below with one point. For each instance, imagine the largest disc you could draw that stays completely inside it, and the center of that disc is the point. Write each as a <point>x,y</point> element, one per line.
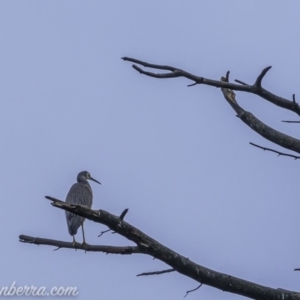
<point>83,245</point>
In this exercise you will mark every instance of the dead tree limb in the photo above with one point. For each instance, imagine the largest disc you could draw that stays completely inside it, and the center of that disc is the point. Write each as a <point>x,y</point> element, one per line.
<point>255,124</point>
<point>275,151</point>
<point>255,88</point>
<point>85,247</point>
<point>227,88</point>
<point>147,245</point>
<point>156,272</point>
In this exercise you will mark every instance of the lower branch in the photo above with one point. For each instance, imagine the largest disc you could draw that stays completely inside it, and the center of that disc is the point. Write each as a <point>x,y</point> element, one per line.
<point>85,247</point>
<point>181,264</point>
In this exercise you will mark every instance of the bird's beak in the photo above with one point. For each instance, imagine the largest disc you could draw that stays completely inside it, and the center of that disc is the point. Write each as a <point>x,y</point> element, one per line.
<point>91,178</point>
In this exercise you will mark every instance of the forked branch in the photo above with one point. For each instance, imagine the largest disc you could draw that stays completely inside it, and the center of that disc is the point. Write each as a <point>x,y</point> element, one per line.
<point>255,88</point>
<point>227,88</point>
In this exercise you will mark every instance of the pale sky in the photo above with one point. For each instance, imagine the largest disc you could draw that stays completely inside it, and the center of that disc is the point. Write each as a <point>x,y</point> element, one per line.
<point>177,157</point>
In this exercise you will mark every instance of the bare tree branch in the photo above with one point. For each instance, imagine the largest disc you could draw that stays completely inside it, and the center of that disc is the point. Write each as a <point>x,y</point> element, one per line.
<point>156,272</point>
<point>290,121</point>
<point>275,151</point>
<point>254,89</point>
<point>227,88</point>
<point>181,264</point>
<point>85,247</point>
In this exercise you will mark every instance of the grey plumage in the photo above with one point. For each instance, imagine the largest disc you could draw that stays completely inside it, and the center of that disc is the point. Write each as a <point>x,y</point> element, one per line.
<point>80,193</point>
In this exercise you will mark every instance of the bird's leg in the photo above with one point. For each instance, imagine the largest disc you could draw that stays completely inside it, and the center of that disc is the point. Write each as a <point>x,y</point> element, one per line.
<point>74,242</point>
<point>83,243</point>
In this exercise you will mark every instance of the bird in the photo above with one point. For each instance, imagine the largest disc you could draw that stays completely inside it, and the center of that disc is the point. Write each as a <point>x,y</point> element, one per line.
<point>80,193</point>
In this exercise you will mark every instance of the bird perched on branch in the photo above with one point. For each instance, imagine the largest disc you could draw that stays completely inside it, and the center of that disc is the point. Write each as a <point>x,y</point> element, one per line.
<point>81,194</point>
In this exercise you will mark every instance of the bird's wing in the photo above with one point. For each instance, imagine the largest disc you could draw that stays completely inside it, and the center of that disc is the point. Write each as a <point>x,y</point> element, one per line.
<point>79,194</point>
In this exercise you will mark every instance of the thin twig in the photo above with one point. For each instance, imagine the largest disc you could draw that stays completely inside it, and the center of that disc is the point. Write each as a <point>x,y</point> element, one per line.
<point>241,82</point>
<point>122,215</point>
<point>145,64</point>
<point>275,151</point>
<point>51,198</point>
<point>290,121</point>
<point>190,291</point>
<point>156,272</point>
<point>104,231</point>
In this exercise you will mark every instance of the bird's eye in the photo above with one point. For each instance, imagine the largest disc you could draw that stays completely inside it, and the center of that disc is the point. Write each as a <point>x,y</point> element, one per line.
<point>88,175</point>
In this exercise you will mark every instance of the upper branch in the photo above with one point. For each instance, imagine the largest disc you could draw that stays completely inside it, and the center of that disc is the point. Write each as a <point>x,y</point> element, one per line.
<point>255,88</point>
<point>181,264</point>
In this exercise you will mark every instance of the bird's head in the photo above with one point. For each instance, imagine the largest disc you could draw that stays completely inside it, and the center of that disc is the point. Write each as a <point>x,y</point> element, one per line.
<point>85,175</point>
